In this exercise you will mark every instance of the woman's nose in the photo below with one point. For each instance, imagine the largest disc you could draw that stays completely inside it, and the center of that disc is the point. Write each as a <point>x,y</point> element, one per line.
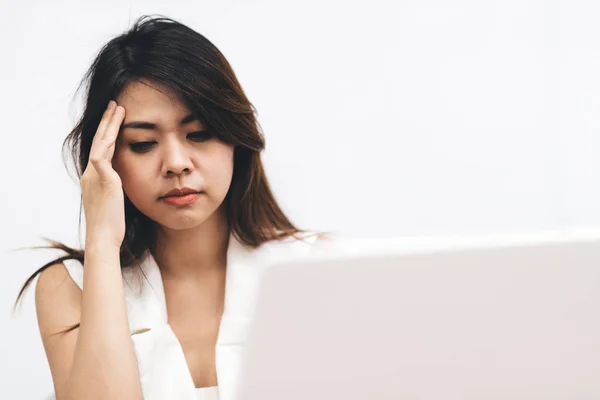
<point>176,160</point>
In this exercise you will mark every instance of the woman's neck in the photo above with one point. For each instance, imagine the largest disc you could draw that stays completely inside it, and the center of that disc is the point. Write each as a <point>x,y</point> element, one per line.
<point>193,252</point>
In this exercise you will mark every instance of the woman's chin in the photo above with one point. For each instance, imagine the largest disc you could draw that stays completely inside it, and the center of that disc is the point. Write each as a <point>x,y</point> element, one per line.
<point>182,220</point>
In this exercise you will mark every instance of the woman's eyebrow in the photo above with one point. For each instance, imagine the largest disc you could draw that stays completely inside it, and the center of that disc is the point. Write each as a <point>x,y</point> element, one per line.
<point>151,126</point>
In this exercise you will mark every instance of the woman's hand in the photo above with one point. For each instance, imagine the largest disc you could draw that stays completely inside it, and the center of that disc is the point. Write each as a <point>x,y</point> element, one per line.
<point>101,188</point>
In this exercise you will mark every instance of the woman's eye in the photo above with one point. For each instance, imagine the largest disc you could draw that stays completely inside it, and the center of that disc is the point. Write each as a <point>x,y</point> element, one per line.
<point>140,147</point>
<point>199,136</point>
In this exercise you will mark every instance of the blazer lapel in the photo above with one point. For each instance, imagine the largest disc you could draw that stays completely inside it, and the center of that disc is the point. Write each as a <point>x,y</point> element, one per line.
<point>162,366</point>
<point>241,279</point>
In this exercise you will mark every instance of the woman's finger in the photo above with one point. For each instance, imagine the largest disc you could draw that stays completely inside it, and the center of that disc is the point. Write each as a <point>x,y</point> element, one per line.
<point>112,130</point>
<point>106,116</point>
<point>100,131</point>
<point>99,149</point>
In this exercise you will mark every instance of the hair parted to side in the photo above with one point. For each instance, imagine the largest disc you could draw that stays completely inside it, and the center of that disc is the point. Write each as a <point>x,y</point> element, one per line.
<point>172,55</point>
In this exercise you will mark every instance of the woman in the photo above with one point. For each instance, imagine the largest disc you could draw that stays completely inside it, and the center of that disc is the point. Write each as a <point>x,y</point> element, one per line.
<point>179,219</point>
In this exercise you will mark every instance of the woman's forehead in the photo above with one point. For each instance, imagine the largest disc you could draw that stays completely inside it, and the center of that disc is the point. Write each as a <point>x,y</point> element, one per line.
<point>146,105</point>
<point>143,94</point>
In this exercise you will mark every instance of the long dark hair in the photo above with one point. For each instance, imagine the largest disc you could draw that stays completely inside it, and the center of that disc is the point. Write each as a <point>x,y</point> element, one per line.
<point>172,55</point>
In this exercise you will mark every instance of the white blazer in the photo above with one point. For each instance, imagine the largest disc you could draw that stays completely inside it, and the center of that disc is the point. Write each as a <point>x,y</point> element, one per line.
<point>163,370</point>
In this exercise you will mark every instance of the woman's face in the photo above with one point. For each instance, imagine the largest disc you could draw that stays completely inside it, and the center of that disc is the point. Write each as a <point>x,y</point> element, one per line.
<point>165,154</point>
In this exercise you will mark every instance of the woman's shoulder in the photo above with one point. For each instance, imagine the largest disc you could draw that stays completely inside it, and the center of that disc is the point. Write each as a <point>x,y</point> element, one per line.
<point>57,299</point>
<point>52,277</point>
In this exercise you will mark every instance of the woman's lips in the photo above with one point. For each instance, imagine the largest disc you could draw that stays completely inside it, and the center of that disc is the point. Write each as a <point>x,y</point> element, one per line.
<point>181,200</point>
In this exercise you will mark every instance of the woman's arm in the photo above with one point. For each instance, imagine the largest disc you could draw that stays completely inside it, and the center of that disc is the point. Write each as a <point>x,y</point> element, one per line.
<point>96,360</point>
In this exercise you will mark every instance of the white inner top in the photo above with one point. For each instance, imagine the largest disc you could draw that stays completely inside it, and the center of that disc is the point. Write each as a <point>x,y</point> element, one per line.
<point>208,393</point>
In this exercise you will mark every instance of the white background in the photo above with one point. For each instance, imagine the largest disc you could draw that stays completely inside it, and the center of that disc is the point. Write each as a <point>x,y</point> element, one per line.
<point>382,118</point>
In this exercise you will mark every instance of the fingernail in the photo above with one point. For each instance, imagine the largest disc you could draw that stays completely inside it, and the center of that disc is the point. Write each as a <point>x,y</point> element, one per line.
<point>111,103</point>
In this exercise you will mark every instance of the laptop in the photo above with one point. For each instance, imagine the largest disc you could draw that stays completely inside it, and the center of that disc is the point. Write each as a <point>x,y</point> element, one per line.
<point>495,317</point>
